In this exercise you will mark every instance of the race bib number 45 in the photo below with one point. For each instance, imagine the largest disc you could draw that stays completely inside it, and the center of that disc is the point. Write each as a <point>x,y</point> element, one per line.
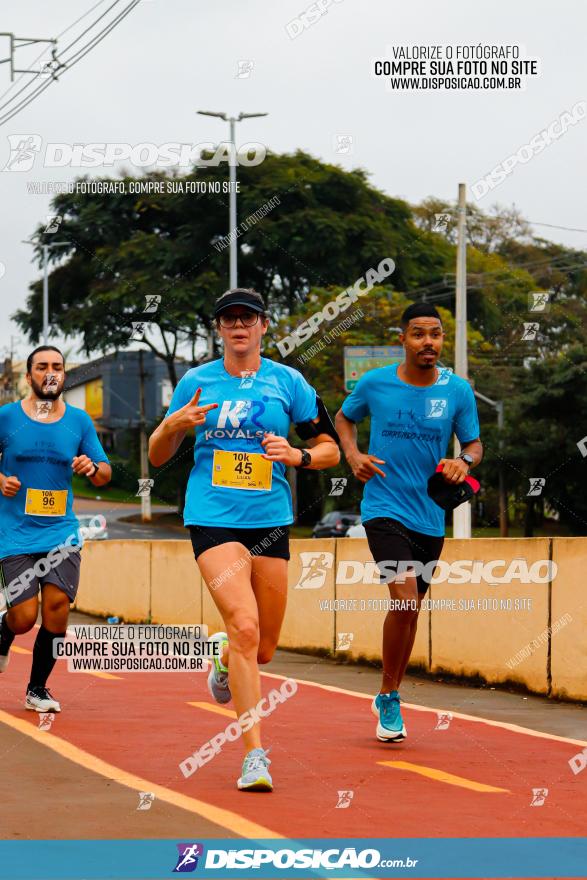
<point>241,470</point>
<point>46,502</point>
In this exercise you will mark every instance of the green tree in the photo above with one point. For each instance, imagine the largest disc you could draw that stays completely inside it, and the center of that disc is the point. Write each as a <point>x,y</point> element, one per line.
<point>327,227</point>
<point>546,422</point>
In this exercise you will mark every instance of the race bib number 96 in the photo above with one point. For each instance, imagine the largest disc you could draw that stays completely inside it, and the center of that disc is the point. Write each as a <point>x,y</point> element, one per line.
<point>46,502</point>
<point>241,470</point>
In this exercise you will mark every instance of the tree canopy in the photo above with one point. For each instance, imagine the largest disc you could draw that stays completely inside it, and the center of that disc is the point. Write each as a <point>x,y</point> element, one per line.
<point>322,228</point>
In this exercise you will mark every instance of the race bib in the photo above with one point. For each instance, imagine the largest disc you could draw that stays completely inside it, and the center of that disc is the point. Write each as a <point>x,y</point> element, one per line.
<point>46,502</point>
<point>241,470</point>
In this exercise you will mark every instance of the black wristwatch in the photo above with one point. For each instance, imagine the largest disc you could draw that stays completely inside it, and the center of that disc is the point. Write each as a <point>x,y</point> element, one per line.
<point>94,472</point>
<point>306,459</point>
<point>468,459</point>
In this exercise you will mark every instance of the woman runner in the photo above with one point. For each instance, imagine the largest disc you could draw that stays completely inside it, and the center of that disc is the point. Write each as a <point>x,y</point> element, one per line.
<point>238,502</point>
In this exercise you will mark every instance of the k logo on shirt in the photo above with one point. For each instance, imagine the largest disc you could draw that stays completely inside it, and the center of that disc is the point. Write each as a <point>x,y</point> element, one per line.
<point>233,417</point>
<point>234,411</point>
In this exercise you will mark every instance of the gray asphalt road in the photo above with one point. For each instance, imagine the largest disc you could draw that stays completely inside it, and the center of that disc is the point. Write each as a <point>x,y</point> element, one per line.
<point>115,514</point>
<point>123,530</point>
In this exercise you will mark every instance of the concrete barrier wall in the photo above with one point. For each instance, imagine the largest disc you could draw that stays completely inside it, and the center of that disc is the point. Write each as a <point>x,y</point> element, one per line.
<point>529,633</point>
<point>484,625</point>
<point>569,619</point>
<point>307,624</point>
<point>176,583</point>
<point>116,579</point>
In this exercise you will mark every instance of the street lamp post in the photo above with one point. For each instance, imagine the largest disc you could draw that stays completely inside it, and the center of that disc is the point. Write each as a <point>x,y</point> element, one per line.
<point>46,283</point>
<point>233,272</point>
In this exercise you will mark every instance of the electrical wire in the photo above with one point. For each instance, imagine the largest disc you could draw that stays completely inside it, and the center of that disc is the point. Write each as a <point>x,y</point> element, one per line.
<point>38,58</point>
<point>552,226</point>
<point>70,62</point>
<point>77,56</point>
<point>106,11</point>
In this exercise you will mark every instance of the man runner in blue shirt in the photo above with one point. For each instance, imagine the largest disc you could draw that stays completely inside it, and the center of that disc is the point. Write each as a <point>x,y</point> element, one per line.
<point>415,407</point>
<point>43,443</point>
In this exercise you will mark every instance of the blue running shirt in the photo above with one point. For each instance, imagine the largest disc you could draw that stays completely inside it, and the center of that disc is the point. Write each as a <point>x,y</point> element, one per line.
<point>40,453</point>
<point>269,400</point>
<point>410,430</point>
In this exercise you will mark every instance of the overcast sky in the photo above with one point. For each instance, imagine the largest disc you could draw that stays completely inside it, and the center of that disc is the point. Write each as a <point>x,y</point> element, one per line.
<point>168,58</point>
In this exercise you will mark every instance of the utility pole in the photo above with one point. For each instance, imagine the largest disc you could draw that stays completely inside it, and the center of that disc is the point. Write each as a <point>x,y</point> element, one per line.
<point>45,248</point>
<point>45,295</point>
<point>145,498</point>
<point>461,515</point>
<point>46,287</point>
<point>13,390</point>
<point>51,67</point>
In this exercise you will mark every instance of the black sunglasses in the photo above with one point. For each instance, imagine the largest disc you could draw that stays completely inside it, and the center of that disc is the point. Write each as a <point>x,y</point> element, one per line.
<point>247,319</point>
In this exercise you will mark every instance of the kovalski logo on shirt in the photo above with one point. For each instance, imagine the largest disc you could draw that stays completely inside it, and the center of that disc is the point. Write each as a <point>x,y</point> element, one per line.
<point>231,416</point>
<point>234,412</point>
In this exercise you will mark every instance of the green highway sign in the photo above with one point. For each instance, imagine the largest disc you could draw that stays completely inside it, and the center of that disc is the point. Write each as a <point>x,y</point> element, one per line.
<point>359,359</point>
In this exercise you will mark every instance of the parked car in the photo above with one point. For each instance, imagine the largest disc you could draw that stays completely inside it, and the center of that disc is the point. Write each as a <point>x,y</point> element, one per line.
<point>334,524</point>
<point>93,528</point>
<point>357,530</point>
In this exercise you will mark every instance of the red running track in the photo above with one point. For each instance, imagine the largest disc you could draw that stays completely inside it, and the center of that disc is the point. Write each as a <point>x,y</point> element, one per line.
<point>322,742</point>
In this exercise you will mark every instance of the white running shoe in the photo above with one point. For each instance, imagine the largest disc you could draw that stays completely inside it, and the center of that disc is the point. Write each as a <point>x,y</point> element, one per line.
<point>39,699</point>
<point>255,772</point>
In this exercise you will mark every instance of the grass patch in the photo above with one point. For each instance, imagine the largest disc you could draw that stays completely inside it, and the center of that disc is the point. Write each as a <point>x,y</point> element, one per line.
<point>82,488</point>
<point>300,531</point>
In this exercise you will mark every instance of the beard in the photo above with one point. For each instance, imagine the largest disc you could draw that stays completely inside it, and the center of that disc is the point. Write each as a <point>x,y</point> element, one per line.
<point>422,365</point>
<point>52,392</point>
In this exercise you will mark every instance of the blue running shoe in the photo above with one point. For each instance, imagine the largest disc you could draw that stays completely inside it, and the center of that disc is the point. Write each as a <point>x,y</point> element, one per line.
<point>218,677</point>
<point>390,724</point>
<point>255,772</point>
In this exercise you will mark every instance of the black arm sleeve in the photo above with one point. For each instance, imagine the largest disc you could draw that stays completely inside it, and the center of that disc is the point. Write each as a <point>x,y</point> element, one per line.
<point>324,425</point>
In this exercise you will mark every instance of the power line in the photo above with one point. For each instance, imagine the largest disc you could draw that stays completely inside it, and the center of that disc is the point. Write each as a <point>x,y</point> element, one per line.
<point>77,21</point>
<point>552,226</point>
<point>434,289</point>
<point>77,56</point>
<point>89,28</point>
<point>45,83</point>
<point>531,266</point>
<point>38,58</point>
<point>71,61</point>
<point>438,296</point>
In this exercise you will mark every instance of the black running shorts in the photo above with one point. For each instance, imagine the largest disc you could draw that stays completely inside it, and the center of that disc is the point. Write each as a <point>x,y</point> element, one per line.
<point>392,542</point>
<point>22,575</point>
<point>270,541</point>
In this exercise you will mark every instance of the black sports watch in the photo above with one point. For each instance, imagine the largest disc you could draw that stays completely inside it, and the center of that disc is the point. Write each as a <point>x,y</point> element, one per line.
<point>468,459</point>
<point>95,471</point>
<point>306,459</point>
